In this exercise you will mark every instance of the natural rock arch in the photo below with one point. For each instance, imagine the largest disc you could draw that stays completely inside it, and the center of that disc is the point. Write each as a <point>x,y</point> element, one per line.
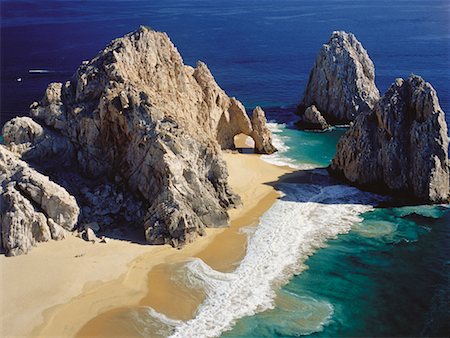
<point>237,122</point>
<point>244,141</point>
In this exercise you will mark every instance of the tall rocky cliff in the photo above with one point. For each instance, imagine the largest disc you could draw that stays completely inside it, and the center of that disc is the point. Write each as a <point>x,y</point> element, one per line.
<point>341,84</point>
<point>154,126</point>
<point>399,147</point>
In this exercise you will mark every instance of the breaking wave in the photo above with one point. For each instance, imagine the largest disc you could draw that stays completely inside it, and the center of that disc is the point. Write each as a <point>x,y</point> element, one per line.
<point>293,228</point>
<point>297,224</point>
<point>280,158</point>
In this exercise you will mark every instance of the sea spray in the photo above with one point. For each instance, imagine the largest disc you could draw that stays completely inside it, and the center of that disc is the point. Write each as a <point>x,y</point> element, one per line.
<point>293,228</point>
<point>297,224</point>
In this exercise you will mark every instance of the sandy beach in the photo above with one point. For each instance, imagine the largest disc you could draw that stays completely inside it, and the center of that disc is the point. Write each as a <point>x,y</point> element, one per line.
<point>72,285</point>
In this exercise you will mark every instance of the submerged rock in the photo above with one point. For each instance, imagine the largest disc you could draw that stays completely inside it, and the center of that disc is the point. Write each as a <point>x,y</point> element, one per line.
<point>341,84</point>
<point>152,125</point>
<point>400,147</point>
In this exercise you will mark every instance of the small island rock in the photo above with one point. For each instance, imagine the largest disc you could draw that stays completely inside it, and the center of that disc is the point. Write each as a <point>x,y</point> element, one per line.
<point>400,147</point>
<point>312,119</point>
<point>342,81</point>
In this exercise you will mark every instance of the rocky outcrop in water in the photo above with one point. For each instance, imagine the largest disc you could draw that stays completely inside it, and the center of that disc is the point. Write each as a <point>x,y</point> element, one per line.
<point>341,84</point>
<point>152,125</point>
<point>33,208</point>
<point>400,147</point>
<point>260,133</point>
<point>312,119</point>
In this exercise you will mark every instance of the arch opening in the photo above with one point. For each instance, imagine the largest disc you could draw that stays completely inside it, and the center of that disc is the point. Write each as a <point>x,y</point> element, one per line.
<point>244,143</point>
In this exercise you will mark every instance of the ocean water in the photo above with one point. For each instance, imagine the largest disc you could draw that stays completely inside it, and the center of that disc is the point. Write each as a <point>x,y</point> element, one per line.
<point>386,275</point>
<point>323,261</point>
<point>260,51</point>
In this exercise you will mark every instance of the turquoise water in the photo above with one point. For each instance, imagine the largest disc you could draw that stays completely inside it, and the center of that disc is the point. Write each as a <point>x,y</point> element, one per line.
<point>389,276</point>
<point>309,147</point>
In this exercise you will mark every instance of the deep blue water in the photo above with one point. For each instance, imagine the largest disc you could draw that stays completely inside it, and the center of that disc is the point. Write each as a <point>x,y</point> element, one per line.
<point>259,50</point>
<point>387,277</point>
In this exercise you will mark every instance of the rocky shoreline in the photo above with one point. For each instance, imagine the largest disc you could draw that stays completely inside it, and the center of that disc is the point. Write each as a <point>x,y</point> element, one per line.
<point>135,140</point>
<point>400,147</point>
<point>396,144</point>
<point>137,120</point>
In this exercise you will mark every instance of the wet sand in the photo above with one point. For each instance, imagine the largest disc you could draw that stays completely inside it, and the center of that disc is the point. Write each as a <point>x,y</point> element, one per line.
<point>73,287</point>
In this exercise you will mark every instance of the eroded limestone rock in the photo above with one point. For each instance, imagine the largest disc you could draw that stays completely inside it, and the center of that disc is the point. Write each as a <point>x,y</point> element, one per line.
<point>342,81</point>
<point>33,209</point>
<point>401,146</point>
<point>36,143</point>
<point>135,114</point>
<point>261,133</point>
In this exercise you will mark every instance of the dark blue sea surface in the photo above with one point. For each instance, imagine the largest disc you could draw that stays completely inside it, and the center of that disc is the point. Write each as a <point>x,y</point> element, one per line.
<point>260,51</point>
<point>390,275</point>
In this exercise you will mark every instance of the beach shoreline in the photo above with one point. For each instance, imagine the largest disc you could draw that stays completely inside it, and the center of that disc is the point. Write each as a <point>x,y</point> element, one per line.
<point>93,279</point>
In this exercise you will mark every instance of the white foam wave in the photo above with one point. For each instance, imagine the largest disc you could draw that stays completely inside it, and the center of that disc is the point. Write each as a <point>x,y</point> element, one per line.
<point>149,323</point>
<point>279,141</point>
<point>276,127</point>
<point>162,318</point>
<point>292,229</point>
<point>39,71</point>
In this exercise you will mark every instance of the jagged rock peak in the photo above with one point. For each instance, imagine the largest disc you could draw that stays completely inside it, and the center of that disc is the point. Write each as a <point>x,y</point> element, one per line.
<point>154,126</point>
<point>342,81</point>
<point>146,62</point>
<point>401,146</point>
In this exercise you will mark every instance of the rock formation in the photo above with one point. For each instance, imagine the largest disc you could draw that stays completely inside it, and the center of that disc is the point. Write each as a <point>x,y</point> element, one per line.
<point>341,83</point>
<point>152,125</point>
<point>33,208</point>
<point>312,119</point>
<point>37,143</point>
<point>401,146</point>
<point>260,133</point>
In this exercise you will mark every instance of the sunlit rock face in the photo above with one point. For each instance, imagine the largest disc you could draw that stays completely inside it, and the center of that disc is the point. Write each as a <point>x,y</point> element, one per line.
<point>152,125</point>
<point>341,84</point>
<point>399,147</point>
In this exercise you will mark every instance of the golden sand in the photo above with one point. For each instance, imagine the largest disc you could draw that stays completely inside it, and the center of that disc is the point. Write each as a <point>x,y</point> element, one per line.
<point>73,287</point>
